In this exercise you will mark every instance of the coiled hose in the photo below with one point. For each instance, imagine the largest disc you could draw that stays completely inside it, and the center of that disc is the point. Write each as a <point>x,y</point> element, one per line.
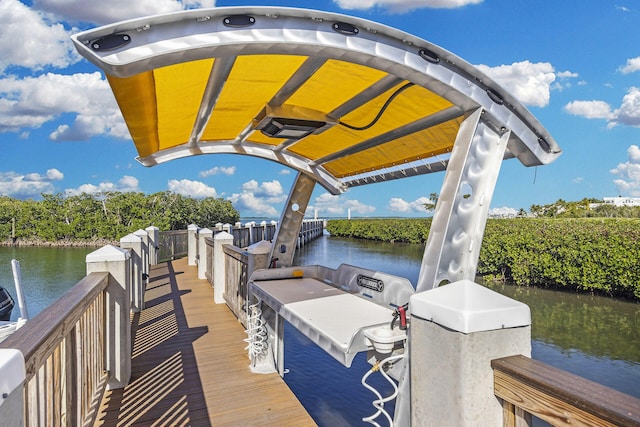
<point>380,401</point>
<point>257,334</point>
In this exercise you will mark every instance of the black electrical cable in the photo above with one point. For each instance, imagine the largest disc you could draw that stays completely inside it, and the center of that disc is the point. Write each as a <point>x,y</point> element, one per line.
<point>382,110</point>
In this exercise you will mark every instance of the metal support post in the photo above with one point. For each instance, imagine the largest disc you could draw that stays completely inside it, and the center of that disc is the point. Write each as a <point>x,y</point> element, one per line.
<point>453,246</point>
<point>291,220</point>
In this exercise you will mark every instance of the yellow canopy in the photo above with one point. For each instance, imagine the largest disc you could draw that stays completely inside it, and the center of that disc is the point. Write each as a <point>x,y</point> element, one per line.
<point>340,99</point>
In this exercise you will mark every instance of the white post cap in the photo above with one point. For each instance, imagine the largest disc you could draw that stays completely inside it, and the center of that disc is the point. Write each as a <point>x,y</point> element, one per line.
<point>108,253</point>
<point>467,307</point>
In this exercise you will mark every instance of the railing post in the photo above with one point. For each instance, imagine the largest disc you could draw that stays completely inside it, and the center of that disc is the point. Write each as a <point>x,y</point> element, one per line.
<point>192,244</point>
<point>12,374</point>
<point>219,274</point>
<point>251,227</point>
<point>117,262</point>
<point>134,242</point>
<point>258,257</point>
<point>456,330</point>
<point>144,256</point>
<point>154,240</point>
<point>203,234</point>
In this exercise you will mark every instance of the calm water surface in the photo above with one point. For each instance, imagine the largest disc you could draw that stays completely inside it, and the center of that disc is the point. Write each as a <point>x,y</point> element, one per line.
<point>594,337</point>
<point>47,273</point>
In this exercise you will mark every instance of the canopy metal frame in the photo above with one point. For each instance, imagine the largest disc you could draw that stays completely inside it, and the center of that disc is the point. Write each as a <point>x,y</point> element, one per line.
<point>160,41</point>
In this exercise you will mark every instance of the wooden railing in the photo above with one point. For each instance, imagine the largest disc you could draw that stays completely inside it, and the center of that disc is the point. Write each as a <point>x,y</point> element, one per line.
<point>64,351</point>
<point>172,245</point>
<point>236,280</point>
<point>528,386</point>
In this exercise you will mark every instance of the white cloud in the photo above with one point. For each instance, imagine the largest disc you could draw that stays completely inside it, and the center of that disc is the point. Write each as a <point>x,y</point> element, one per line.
<point>402,6</point>
<point>55,175</point>
<point>589,109</point>
<point>529,83</point>
<point>331,205</point>
<point>628,114</point>
<point>33,101</point>
<point>633,65</point>
<point>218,170</point>
<point>399,205</point>
<point>124,185</point>
<point>28,40</point>
<point>28,185</point>
<point>628,172</point>
<point>195,189</point>
<point>259,199</point>
<point>116,10</point>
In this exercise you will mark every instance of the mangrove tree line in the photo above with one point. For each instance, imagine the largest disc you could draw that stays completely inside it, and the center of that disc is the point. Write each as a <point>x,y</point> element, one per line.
<point>599,255</point>
<point>108,216</point>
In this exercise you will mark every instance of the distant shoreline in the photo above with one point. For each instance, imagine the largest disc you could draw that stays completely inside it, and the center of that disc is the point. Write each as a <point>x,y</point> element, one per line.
<point>57,244</point>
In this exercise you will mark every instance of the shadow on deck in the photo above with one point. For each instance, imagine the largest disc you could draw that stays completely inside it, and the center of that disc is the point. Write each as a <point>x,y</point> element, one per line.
<point>189,366</point>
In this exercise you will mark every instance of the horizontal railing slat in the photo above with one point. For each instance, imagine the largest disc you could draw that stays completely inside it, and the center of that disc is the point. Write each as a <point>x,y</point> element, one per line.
<point>560,397</point>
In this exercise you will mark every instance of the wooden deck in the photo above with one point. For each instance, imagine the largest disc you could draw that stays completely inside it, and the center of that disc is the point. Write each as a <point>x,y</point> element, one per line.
<point>189,366</point>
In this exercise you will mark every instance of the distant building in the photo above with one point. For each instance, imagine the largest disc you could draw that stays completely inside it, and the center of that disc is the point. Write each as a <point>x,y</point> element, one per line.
<point>622,201</point>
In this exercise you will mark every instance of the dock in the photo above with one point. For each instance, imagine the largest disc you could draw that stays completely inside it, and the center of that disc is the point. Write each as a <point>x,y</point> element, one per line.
<point>189,365</point>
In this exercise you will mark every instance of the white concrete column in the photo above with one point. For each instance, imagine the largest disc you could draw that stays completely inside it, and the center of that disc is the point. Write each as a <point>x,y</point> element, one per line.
<point>258,256</point>
<point>145,252</point>
<point>12,376</point>
<point>203,233</point>
<point>192,248</point>
<point>134,242</point>
<point>227,228</point>
<point>219,274</point>
<point>456,330</point>
<point>252,236</point>
<point>154,241</point>
<point>117,262</point>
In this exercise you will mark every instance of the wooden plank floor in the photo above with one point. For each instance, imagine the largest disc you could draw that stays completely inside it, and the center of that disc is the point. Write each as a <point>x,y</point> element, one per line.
<point>189,366</point>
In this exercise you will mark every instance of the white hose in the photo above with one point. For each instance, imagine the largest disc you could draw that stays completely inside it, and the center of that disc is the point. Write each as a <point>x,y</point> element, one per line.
<point>380,401</point>
<point>257,333</point>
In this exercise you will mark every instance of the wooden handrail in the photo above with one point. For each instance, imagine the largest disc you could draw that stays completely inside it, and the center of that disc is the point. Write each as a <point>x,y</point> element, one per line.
<point>559,397</point>
<point>64,351</point>
<point>40,335</point>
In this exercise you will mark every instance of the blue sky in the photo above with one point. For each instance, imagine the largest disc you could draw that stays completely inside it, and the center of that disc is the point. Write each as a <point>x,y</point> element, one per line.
<point>575,65</point>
